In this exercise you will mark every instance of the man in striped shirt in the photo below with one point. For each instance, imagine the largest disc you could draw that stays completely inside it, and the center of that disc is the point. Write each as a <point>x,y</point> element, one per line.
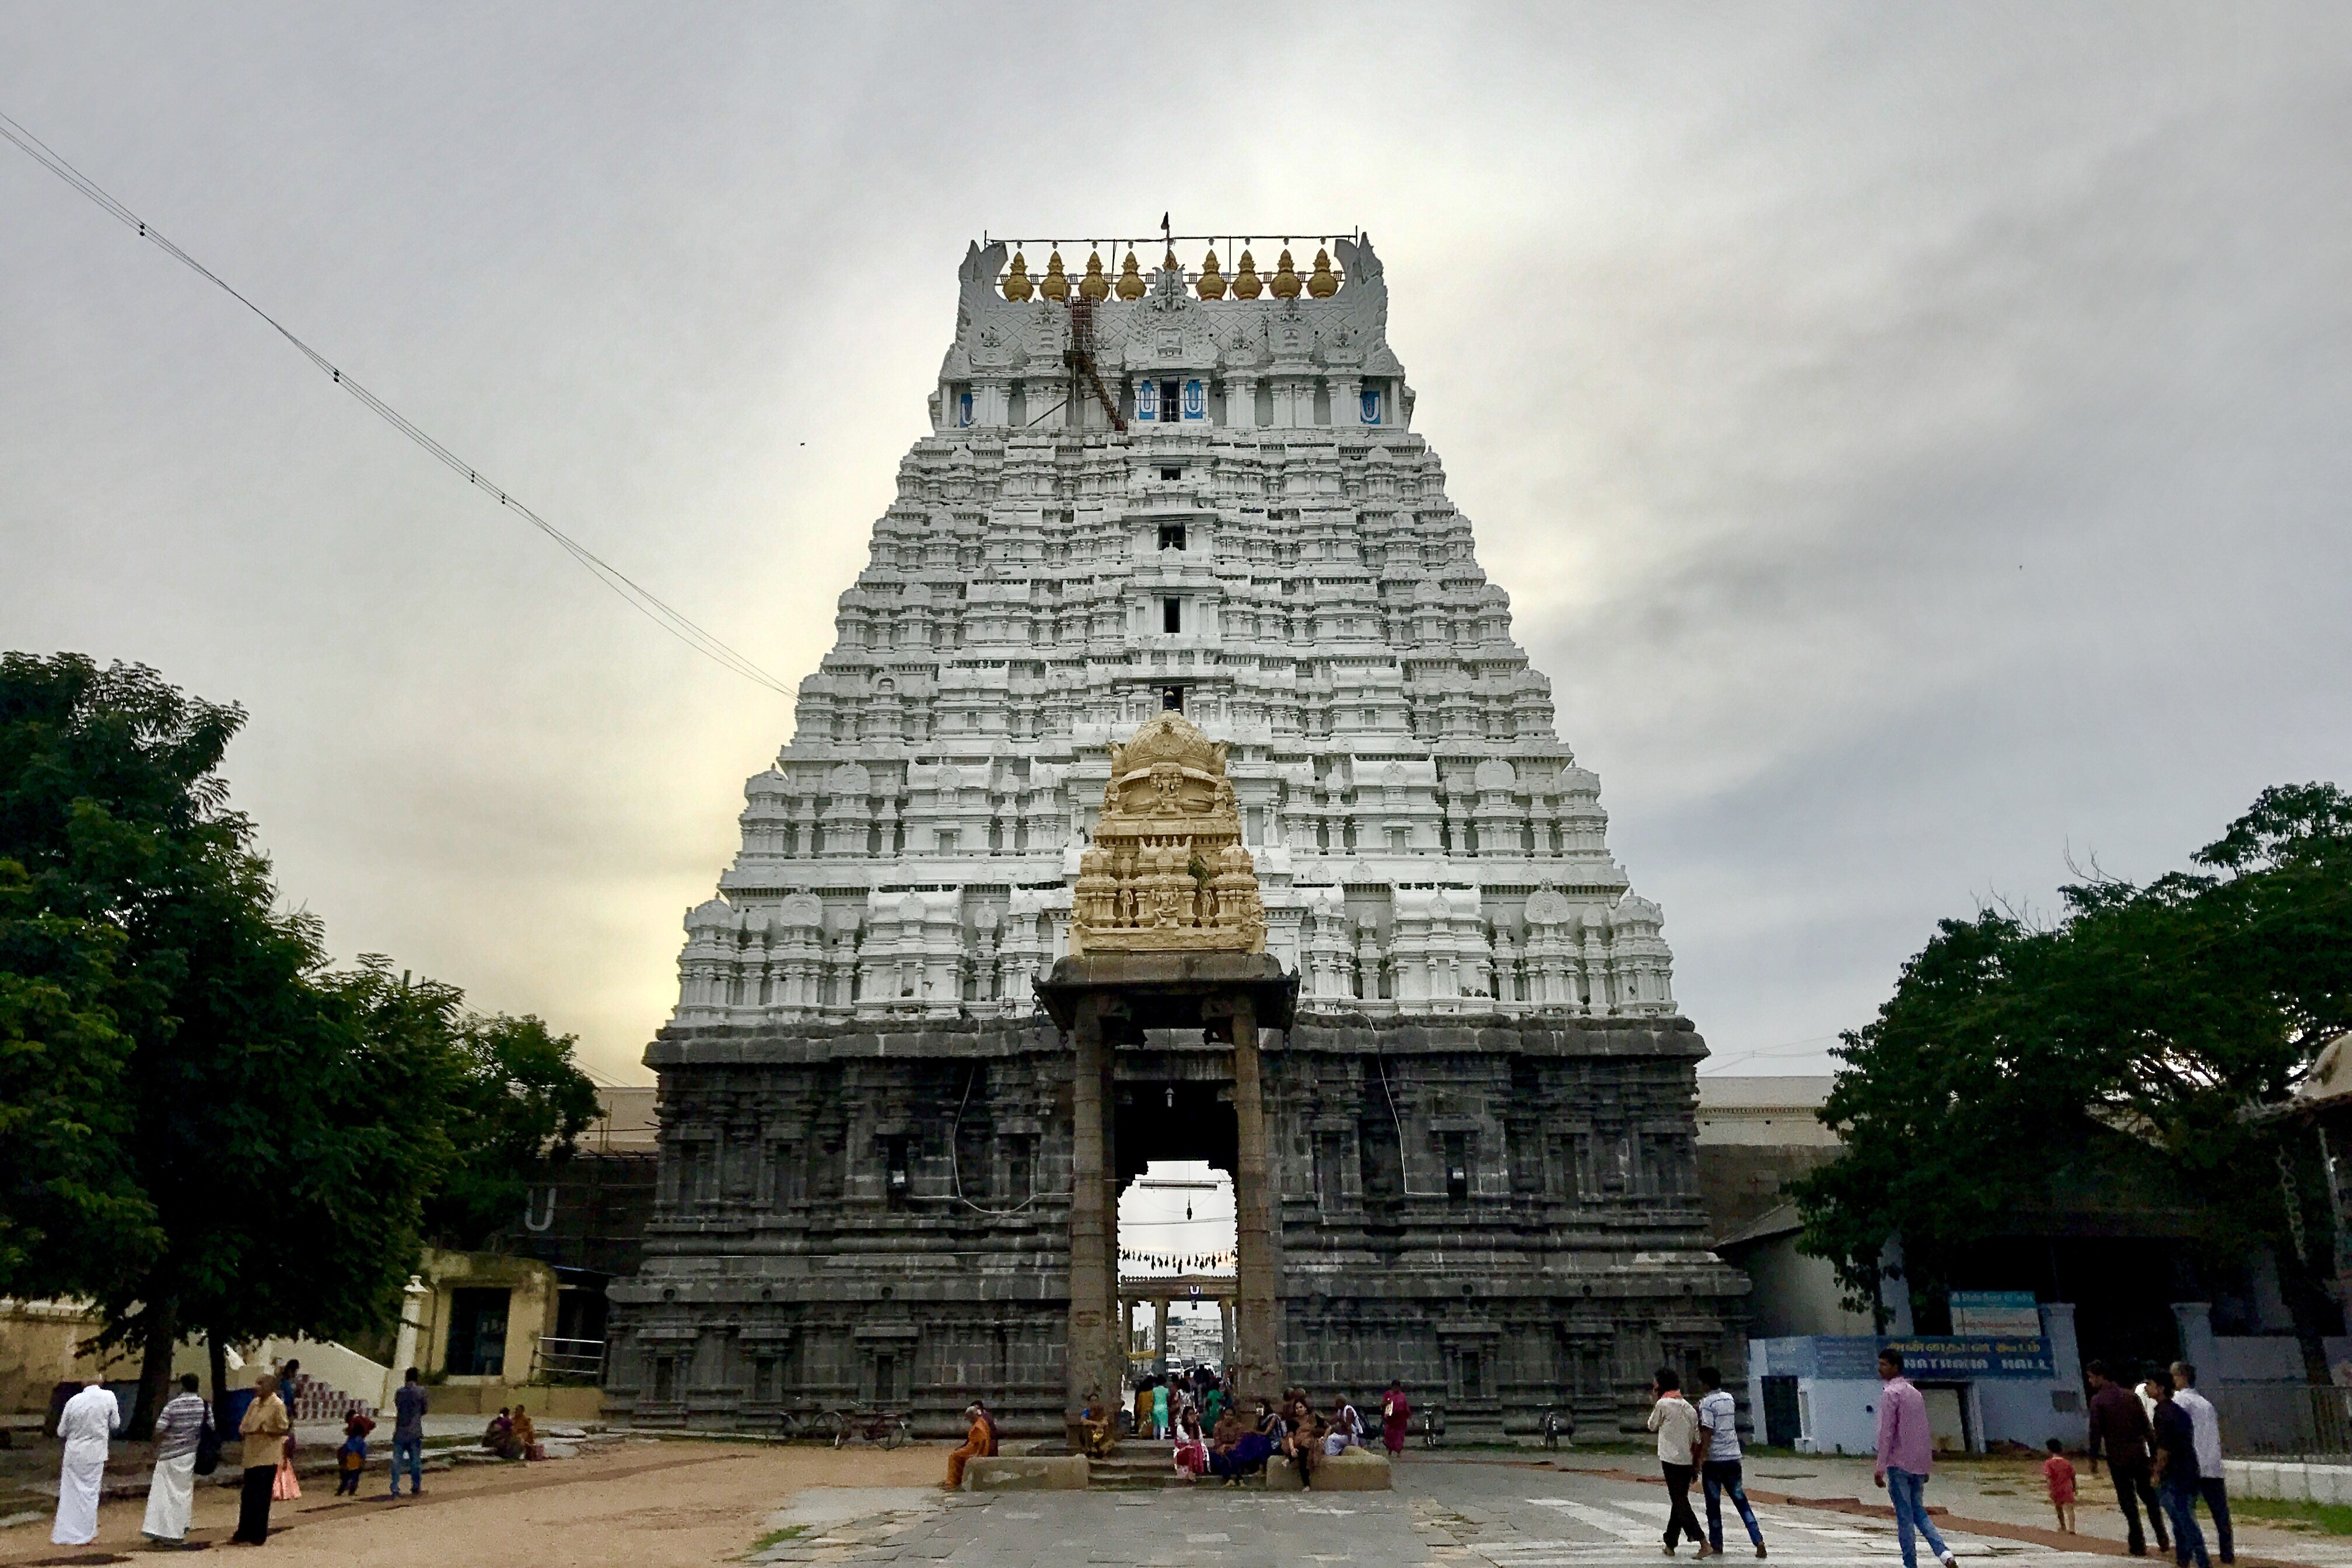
<point>177,1426</point>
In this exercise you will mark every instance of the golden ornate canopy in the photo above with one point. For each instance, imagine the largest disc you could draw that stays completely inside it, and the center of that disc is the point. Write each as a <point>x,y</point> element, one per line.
<point>1166,872</point>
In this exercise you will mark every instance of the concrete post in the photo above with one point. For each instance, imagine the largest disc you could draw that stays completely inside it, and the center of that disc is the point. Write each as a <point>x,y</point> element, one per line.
<point>2195,1319</point>
<point>403,1343</point>
<point>1093,1278</point>
<point>1226,1334</point>
<point>1159,1336</point>
<point>1256,1365</point>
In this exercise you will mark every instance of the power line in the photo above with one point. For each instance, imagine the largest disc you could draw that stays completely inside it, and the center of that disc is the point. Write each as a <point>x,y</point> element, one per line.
<point>638,597</point>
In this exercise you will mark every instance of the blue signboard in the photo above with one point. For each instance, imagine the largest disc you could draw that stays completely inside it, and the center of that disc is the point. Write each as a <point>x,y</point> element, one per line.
<point>1147,400</point>
<point>1853,1358</point>
<point>1372,406</point>
<point>1196,401</point>
<point>1971,1358</point>
<point>1849,1358</point>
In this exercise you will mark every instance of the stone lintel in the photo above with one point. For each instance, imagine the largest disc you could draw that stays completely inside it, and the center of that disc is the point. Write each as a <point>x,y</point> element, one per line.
<point>1165,990</point>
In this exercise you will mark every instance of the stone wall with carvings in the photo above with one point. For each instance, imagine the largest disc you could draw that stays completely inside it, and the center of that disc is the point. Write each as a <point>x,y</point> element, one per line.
<point>1503,1211</point>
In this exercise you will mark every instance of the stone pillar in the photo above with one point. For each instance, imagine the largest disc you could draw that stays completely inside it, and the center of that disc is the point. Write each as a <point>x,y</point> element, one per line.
<point>1094,1273</point>
<point>1256,1365</point>
<point>1226,1335</point>
<point>1159,1336</point>
<point>403,1343</point>
<point>2195,1319</point>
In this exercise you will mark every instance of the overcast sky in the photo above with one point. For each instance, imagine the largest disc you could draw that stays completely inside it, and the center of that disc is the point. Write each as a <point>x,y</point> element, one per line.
<point>1914,439</point>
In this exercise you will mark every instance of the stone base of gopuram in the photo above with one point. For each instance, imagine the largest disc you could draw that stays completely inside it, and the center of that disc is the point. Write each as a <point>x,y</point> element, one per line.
<point>1502,1212</point>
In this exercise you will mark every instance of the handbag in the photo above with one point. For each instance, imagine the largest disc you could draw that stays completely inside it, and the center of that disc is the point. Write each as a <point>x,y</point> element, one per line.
<point>208,1447</point>
<point>284,1488</point>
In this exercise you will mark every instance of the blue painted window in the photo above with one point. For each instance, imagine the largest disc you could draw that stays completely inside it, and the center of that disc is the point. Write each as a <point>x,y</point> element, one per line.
<point>1372,406</point>
<point>1147,400</point>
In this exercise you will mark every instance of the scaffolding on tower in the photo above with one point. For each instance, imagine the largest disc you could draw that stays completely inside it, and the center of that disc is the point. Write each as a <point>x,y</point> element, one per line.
<point>1081,357</point>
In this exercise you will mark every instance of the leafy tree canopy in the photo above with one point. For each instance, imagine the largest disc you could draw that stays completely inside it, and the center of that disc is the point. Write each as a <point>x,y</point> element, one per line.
<point>517,1101</point>
<point>203,1127</point>
<point>2017,1061</point>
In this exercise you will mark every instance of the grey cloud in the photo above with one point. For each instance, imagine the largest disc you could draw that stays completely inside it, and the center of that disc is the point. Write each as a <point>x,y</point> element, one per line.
<point>1912,441</point>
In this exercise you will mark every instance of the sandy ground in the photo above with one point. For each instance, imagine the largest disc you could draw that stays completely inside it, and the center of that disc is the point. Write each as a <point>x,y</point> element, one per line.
<point>648,1504</point>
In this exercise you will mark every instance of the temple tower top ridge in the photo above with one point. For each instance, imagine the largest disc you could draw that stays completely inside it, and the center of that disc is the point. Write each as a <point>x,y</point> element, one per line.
<point>1191,518</point>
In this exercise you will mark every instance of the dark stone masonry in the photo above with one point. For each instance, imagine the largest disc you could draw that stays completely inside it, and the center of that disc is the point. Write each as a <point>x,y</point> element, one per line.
<point>1504,1212</point>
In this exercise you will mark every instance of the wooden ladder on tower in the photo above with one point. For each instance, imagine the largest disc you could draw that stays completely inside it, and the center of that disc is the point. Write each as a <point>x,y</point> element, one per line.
<point>1081,357</point>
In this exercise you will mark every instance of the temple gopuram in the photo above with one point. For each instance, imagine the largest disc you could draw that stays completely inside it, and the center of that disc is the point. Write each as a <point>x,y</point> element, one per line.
<point>1173,791</point>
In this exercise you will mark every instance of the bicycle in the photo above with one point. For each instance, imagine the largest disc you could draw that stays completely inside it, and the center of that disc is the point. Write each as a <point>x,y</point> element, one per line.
<point>1558,1426</point>
<point>881,1428</point>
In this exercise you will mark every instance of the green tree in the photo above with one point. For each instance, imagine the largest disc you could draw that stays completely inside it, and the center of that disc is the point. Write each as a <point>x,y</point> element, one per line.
<point>64,1112</point>
<point>519,1103</point>
<point>274,1127</point>
<point>2124,1044</point>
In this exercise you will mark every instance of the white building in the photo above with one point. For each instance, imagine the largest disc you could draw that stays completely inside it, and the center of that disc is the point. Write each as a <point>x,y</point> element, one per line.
<point>1269,547</point>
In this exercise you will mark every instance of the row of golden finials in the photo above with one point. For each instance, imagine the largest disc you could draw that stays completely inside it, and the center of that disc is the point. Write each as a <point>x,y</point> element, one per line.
<point>1211,284</point>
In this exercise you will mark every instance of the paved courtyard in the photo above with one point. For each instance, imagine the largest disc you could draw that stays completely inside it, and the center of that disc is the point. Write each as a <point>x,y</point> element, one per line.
<point>1445,1513</point>
<point>687,1504</point>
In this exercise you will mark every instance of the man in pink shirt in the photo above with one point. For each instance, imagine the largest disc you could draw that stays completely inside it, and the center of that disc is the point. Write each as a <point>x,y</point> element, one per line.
<point>1904,1453</point>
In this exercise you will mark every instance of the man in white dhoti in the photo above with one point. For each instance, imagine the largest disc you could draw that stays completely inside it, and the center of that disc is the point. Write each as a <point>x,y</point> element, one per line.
<point>90,1417</point>
<point>177,1427</point>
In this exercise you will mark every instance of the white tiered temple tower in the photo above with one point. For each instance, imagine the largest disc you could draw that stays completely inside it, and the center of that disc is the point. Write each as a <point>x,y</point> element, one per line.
<point>1184,488</point>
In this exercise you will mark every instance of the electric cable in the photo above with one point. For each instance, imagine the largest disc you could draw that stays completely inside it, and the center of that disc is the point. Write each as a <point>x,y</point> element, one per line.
<point>638,597</point>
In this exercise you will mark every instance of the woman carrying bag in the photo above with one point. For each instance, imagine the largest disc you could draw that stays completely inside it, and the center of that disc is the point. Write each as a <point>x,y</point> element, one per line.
<point>263,1429</point>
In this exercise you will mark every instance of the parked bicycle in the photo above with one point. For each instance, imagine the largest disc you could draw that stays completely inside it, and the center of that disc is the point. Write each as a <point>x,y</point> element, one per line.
<point>802,1425</point>
<point>885,1428</point>
<point>1558,1426</point>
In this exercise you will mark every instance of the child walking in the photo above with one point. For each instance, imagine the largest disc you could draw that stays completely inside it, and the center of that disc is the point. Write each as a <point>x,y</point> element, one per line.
<point>352,1458</point>
<point>2060,1473</point>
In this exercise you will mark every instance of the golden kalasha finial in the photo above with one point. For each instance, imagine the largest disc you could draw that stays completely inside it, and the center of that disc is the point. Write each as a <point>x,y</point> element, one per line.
<point>1131,278</point>
<point>1017,286</point>
<point>1322,284</point>
<point>1212,283</point>
<point>1169,262</point>
<point>1247,284</point>
<point>1286,279</point>
<point>1094,285</point>
<point>1056,283</point>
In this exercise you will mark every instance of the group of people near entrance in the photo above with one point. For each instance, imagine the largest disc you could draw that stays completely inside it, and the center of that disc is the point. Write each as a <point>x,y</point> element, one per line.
<point>1211,1434</point>
<point>187,1445</point>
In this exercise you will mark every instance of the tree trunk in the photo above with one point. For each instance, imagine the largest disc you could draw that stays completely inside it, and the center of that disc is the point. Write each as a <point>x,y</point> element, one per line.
<point>162,1333</point>
<point>216,1351</point>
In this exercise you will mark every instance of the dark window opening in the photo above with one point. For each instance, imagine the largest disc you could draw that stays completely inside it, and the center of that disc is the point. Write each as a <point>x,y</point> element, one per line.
<point>1169,410</point>
<point>1171,614</point>
<point>1172,698</point>
<point>477,1332</point>
<point>1457,1166</point>
<point>1474,1375</point>
<point>895,1153</point>
<point>664,1379</point>
<point>885,1378</point>
<point>1172,473</point>
<point>1172,536</point>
